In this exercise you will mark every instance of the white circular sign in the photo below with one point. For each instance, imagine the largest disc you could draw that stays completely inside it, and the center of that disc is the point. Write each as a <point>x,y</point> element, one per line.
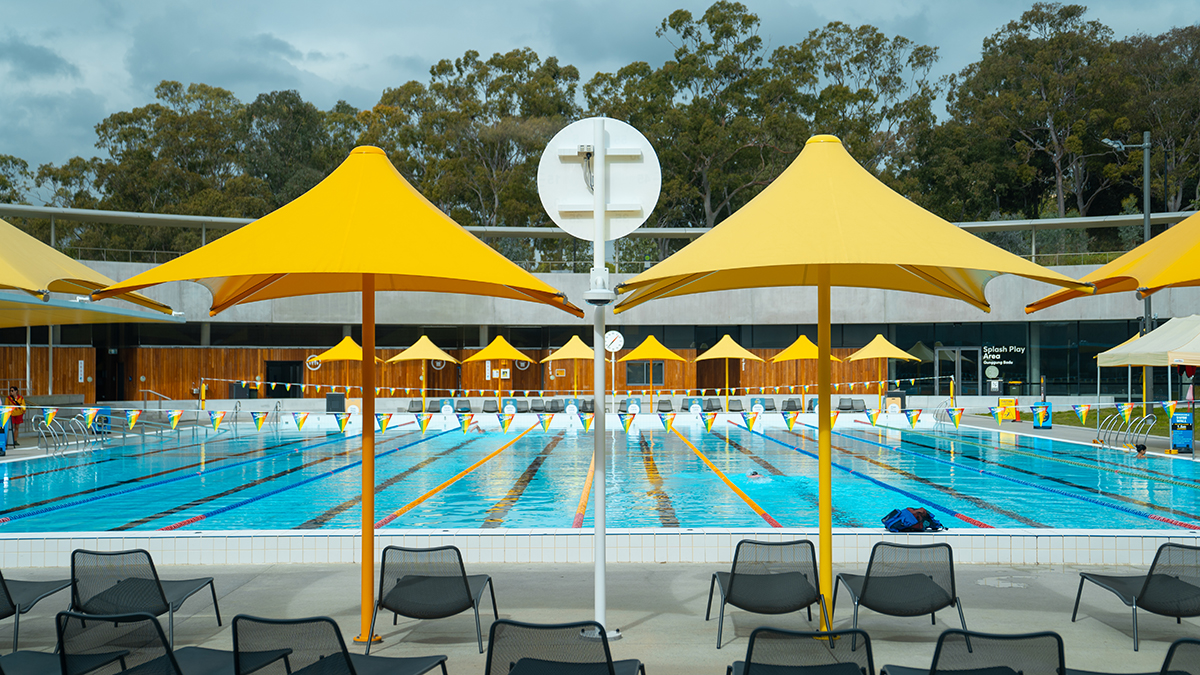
<point>313,363</point>
<point>992,372</point>
<point>633,178</point>
<point>613,341</point>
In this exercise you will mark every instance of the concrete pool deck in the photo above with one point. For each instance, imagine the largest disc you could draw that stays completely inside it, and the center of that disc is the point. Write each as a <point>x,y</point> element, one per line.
<point>660,610</point>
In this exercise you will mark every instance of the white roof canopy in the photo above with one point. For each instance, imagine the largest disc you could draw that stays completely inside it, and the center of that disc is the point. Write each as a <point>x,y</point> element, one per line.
<point>1175,343</point>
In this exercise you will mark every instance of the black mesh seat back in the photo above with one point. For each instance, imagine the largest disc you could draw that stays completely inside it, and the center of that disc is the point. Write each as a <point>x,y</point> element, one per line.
<point>491,407</point>
<point>7,606</point>
<point>86,640</point>
<point>414,406</point>
<point>588,405</point>
<point>118,582</point>
<point>792,649</point>
<point>1183,658</point>
<point>1173,585</point>
<point>769,405</point>
<point>909,580</point>
<point>522,406</point>
<point>712,404</point>
<point>424,583</point>
<point>773,577</point>
<point>462,405</point>
<point>311,641</point>
<point>983,653</point>
<point>791,405</point>
<point>735,405</point>
<point>546,645</point>
<point>537,405</point>
<point>665,406</point>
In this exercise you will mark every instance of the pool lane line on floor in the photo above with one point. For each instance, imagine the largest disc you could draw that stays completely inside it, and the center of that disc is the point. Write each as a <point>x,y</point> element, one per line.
<point>662,501</point>
<point>416,502</point>
<point>199,501</point>
<point>736,490</point>
<point>1063,493</point>
<point>944,509</point>
<point>147,486</point>
<point>323,519</point>
<point>581,510</point>
<point>285,488</point>
<point>945,489</point>
<point>812,499</point>
<point>495,515</point>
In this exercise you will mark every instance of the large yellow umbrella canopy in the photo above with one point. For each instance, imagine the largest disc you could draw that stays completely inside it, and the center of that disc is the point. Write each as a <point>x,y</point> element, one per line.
<point>346,350</point>
<point>498,350</point>
<point>20,309</point>
<point>364,228</point>
<point>1170,260</point>
<point>880,348</point>
<point>726,348</point>
<point>827,222</point>
<point>423,350</point>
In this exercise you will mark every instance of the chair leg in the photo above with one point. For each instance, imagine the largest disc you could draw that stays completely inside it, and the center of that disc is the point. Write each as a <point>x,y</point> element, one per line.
<point>1135,635</point>
<point>721,622</point>
<point>933,618</point>
<point>371,632</point>
<point>1077,596</point>
<point>16,627</point>
<point>444,668</point>
<point>833,609</point>
<point>963,619</point>
<point>824,611</point>
<point>495,609</point>
<point>854,638</point>
<point>809,608</point>
<point>171,628</point>
<point>478,629</point>
<point>711,587</point>
<point>216,608</point>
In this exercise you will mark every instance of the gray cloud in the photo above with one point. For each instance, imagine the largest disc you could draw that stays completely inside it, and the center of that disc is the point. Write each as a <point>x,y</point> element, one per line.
<point>27,61</point>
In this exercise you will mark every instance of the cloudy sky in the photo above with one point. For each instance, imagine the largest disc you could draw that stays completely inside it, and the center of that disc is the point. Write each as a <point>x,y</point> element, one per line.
<point>66,64</point>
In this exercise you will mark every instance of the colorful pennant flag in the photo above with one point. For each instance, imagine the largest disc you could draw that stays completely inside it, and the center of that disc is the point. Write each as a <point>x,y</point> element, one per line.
<point>789,418</point>
<point>668,420</point>
<point>300,418</point>
<point>342,419</point>
<point>545,419</point>
<point>1169,407</point>
<point>997,414</point>
<point>1126,410</point>
<point>626,420</point>
<point>1081,411</point>
<point>587,420</point>
<point>216,417</point>
<point>89,417</point>
<point>873,416</point>
<point>258,418</point>
<point>464,420</point>
<point>131,417</point>
<point>913,415</point>
<point>709,419</point>
<point>749,420</point>
<point>5,413</point>
<point>506,421</point>
<point>956,415</point>
<point>833,419</point>
<point>382,420</point>
<point>49,414</point>
<point>1039,413</point>
<point>423,420</point>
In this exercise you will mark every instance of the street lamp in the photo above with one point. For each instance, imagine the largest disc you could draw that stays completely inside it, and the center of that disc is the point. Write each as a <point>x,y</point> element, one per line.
<point>1144,146</point>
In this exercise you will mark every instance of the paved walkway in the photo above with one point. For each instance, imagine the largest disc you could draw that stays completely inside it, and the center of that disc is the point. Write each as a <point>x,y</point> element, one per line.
<point>1059,431</point>
<point>660,610</point>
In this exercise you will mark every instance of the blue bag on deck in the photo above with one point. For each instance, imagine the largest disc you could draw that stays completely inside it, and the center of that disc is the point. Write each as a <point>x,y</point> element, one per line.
<point>911,520</point>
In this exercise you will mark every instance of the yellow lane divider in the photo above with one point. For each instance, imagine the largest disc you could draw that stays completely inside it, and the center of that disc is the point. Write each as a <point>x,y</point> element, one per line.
<point>587,490</point>
<point>738,491</point>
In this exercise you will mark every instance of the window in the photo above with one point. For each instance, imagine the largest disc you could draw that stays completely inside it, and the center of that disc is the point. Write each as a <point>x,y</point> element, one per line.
<point>637,374</point>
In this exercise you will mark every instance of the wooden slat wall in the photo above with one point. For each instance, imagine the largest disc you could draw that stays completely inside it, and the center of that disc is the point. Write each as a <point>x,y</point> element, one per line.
<point>66,370</point>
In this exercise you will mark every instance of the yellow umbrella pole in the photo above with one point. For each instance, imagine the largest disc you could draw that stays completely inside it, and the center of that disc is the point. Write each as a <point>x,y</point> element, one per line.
<point>825,454</point>
<point>881,384</point>
<point>368,460</point>
<point>422,384</point>
<point>726,385</point>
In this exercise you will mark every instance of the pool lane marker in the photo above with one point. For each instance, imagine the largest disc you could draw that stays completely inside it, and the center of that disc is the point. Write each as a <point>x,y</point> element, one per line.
<point>176,479</point>
<point>499,511</point>
<point>906,493</point>
<point>736,490</point>
<point>587,491</point>
<point>285,488</point>
<point>1018,481</point>
<point>662,501</point>
<point>417,502</point>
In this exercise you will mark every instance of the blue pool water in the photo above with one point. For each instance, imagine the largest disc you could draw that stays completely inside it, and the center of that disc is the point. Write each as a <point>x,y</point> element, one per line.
<point>268,481</point>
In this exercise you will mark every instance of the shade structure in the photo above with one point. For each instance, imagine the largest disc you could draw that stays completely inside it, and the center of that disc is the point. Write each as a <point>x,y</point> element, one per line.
<point>574,350</point>
<point>880,348</point>
<point>1175,343</point>
<point>827,222</point>
<point>346,350</point>
<point>498,349</point>
<point>1169,260</point>
<point>423,350</point>
<point>651,350</point>
<point>801,349</point>
<point>727,349</point>
<point>363,228</point>
<point>20,309</point>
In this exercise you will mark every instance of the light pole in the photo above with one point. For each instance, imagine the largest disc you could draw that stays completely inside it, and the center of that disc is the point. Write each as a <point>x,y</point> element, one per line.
<point>1146,318</point>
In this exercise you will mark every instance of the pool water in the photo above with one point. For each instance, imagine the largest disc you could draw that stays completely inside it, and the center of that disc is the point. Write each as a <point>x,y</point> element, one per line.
<point>271,481</point>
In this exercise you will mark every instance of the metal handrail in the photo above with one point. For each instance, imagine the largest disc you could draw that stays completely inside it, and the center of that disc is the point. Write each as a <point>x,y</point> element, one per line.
<point>1103,429</point>
<point>1114,430</point>
<point>1141,428</point>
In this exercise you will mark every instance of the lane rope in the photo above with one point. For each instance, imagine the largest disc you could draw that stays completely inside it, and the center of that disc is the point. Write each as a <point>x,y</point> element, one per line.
<point>736,490</point>
<point>581,510</point>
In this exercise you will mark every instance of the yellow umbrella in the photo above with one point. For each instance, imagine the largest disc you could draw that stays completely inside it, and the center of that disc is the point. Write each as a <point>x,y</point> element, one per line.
<point>727,349</point>
<point>342,236</point>
<point>498,350</point>
<point>650,350</point>
<point>881,349</point>
<point>574,350</point>
<point>801,350</point>
<point>423,350</point>
<point>346,350</point>
<point>831,223</point>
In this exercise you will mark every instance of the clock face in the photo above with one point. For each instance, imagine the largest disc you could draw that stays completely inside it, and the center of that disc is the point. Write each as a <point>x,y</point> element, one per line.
<point>613,341</point>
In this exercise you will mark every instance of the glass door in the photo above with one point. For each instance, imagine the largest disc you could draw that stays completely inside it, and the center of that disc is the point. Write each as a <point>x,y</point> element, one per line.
<point>965,364</point>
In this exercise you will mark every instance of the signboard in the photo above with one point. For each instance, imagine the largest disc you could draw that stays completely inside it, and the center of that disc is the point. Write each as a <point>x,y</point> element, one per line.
<point>1010,411</point>
<point>633,405</point>
<point>758,405</point>
<point>1045,421</point>
<point>694,405</point>
<point>81,370</point>
<point>1181,432</point>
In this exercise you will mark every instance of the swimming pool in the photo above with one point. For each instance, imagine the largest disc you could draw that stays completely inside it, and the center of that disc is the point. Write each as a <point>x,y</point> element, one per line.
<point>535,478</point>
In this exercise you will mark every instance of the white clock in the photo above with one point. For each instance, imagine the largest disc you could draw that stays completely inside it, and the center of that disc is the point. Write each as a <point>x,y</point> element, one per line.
<point>613,341</point>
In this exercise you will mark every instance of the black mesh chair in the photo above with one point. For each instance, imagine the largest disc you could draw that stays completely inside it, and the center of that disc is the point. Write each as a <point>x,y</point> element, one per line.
<point>845,404</point>
<point>414,406</point>
<point>22,663</point>
<point>768,405</point>
<point>964,653</point>
<point>490,406</point>
<point>22,596</point>
<point>556,405</point>
<point>735,405</point>
<point>1183,658</point>
<point>774,651</point>
<point>581,648</point>
<point>904,580</point>
<point>623,406</point>
<point>768,578</point>
<point>1170,588</point>
<point>537,405</point>
<point>812,404</point>
<point>858,405</point>
<point>587,405</point>
<point>712,405</point>
<point>125,582</point>
<point>522,406</point>
<point>791,405</point>
<point>665,405</point>
<point>314,646</point>
<point>429,583</point>
<point>462,405</point>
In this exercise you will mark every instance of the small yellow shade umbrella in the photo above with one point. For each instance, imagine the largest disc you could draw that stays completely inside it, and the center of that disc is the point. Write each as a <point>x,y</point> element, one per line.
<point>880,348</point>
<point>650,350</point>
<point>801,350</point>
<point>727,349</point>
<point>574,350</point>
<point>423,350</point>
<point>498,350</point>
<point>346,350</point>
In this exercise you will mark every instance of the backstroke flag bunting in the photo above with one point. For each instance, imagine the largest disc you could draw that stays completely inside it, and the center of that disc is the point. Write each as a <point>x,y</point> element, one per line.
<point>49,414</point>
<point>258,418</point>
<point>300,418</point>
<point>749,419</point>
<point>173,418</point>
<point>1126,410</point>
<point>423,420</point>
<point>545,419</point>
<point>89,417</point>
<point>1169,407</point>
<point>668,420</point>
<point>506,421</point>
<point>913,416</point>
<point>873,416</point>
<point>1081,411</point>
<point>464,420</point>
<point>997,414</point>
<point>833,419</point>
<point>5,413</point>
<point>626,420</point>
<point>342,419</point>
<point>216,417</point>
<point>587,419</point>
<point>1041,414</point>
<point>382,419</point>
<point>789,418</point>
<point>956,415</point>
<point>709,419</point>
<point>131,417</point>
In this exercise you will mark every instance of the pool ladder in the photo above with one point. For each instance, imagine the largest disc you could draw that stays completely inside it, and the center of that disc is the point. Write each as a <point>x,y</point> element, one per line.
<point>1115,432</point>
<point>62,434</point>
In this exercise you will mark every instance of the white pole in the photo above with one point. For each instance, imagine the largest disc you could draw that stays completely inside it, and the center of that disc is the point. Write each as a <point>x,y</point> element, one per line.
<point>600,207</point>
<point>1097,397</point>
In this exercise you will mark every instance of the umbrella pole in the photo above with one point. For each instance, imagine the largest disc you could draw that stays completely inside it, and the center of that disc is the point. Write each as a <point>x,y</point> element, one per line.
<point>368,460</point>
<point>881,384</point>
<point>423,408</point>
<point>726,385</point>
<point>825,454</point>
